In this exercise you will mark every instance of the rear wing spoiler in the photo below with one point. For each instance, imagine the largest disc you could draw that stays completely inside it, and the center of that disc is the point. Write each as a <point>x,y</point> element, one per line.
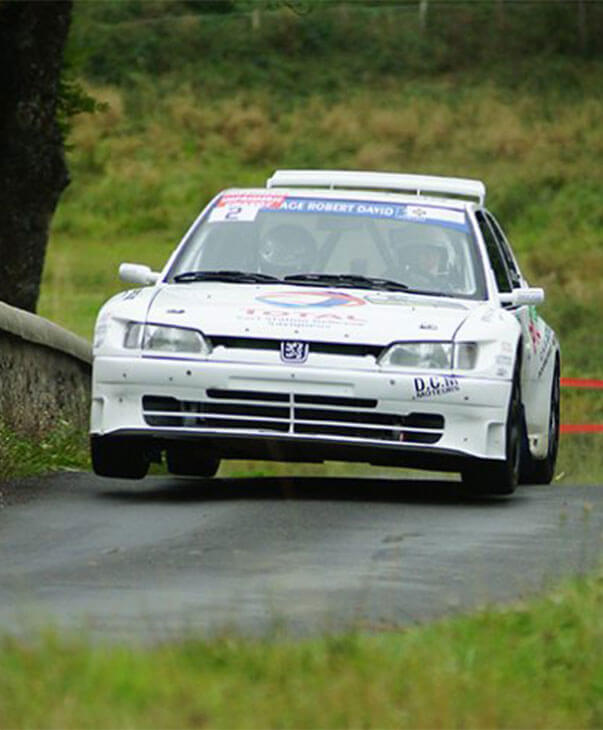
<point>390,181</point>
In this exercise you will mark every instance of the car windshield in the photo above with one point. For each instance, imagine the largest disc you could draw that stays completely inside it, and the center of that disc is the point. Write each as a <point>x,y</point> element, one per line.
<point>266,237</point>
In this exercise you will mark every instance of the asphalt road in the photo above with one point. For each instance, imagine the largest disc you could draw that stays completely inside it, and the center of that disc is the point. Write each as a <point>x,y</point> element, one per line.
<point>148,560</point>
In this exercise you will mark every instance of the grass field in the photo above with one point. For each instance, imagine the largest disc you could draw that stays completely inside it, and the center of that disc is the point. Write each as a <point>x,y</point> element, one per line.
<point>532,665</point>
<point>142,170</point>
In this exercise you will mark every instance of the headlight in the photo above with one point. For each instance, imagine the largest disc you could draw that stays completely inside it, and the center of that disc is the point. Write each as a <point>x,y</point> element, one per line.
<point>165,339</point>
<point>428,355</point>
<point>133,337</point>
<point>160,338</point>
<point>465,355</point>
<point>100,330</point>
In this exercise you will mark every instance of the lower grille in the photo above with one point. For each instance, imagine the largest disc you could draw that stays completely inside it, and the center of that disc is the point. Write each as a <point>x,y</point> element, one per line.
<point>295,414</point>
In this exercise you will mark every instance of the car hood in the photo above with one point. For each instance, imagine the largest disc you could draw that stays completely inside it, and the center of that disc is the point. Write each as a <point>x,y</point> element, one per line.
<point>307,313</point>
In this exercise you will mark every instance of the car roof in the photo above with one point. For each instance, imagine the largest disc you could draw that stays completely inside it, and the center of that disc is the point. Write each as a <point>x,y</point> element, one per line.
<point>417,185</point>
<point>378,186</point>
<point>377,196</point>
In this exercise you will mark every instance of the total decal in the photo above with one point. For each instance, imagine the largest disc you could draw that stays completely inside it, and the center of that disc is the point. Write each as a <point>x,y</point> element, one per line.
<point>322,308</point>
<point>435,385</point>
<point>324,299</point>
<point>290,319</point>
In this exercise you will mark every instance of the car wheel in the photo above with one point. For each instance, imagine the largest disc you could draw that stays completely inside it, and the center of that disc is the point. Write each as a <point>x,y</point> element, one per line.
<point>544,469</point>
<point>190,460</point>
<point>484,476</point>
<point>118,458</point>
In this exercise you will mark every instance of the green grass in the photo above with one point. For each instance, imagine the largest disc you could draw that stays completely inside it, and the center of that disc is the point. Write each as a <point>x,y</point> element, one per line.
<point>61,446</point>
<point>537,664</point>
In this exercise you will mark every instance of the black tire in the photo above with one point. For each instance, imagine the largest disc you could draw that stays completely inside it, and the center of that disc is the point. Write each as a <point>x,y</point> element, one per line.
<point>118,458</point>
<point>543,470</point>
<point>525,458</point>
<point>487,476</point>
<point>190,460</point>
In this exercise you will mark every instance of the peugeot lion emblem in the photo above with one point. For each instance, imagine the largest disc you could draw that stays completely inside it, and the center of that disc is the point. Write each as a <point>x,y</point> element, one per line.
<point>292,351</point>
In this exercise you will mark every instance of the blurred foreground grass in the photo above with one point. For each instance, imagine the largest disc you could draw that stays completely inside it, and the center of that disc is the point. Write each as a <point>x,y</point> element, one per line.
<point>537,664</point>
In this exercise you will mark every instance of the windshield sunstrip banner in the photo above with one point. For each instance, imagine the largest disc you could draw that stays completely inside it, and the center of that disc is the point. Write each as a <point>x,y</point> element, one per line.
<point>241,207</point>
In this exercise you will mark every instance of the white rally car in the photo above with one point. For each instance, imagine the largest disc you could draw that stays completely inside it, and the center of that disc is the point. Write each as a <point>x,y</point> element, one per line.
<point>332,315</point>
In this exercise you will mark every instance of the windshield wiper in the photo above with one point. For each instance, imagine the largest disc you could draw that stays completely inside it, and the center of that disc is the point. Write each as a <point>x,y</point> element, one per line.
<point>236,277</point>
<point>354,281</point>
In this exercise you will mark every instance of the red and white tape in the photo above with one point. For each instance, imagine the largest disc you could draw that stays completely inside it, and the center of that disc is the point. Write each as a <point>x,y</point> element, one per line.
<point>581,383</point>
<point>582,427</point>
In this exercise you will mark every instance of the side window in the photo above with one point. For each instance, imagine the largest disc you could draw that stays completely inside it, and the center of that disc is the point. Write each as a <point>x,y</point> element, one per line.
<point>503,280</point>
<point>506,250</point>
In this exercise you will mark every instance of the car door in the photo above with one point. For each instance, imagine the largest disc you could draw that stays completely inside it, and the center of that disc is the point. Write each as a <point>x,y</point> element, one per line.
<point>534,330</point>
<point>506,281</point>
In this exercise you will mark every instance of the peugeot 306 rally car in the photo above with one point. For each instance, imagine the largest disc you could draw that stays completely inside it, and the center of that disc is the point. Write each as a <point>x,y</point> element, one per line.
<point>332,315</point>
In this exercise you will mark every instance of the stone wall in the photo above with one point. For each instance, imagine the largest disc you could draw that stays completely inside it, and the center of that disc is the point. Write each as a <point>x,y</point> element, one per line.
<point>44,373</point>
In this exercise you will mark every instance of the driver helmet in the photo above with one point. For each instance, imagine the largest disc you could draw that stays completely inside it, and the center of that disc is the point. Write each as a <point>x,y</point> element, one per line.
<point>429,258</point>
<point>287,249</point>
<point>421,253</point>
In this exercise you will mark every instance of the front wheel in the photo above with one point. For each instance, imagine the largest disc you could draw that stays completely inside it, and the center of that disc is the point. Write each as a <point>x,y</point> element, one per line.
<point>543,469</point>
<point>189,460</point>
<point>488,476</point>
<point>118,458</point>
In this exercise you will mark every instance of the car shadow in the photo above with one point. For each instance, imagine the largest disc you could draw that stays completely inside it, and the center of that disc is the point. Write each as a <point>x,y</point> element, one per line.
<point>341,489</point>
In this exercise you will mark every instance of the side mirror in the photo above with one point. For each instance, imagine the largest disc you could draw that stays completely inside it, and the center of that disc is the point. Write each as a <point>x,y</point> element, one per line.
<point>518,297</point>
<point>138,274</point>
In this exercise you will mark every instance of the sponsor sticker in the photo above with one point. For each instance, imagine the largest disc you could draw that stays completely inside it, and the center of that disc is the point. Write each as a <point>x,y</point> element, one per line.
<point>292,318</point>
<point>535,333</point>
<point>438,214</point>
<point>545,351</point>
<point>390,299</point>
<point>414,211</point>
<point>435,385</point>
<point>245,207</point>
<point>413,302</point>
<point>131,294</point>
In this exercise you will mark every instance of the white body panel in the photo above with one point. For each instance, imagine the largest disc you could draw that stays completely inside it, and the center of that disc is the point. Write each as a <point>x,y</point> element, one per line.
<point>475,410</point>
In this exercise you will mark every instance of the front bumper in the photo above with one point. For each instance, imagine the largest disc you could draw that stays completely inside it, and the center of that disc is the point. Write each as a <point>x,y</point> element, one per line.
<point>302,413</point>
